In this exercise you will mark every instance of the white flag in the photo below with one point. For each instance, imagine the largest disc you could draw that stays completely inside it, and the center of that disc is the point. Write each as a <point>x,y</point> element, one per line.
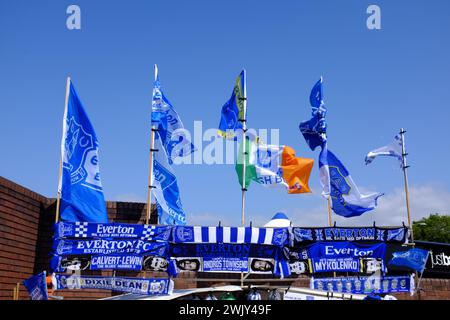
<point>393,149</point>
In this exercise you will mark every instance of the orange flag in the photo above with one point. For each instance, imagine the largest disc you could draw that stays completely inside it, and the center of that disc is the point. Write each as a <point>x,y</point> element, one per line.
<point>296,171</point>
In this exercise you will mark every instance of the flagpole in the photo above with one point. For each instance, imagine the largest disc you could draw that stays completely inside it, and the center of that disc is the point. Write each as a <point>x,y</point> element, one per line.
<point>421,274</point>
<point>330,222</point>
<point>244,148</point>
<point>244,158</point>
<point>150,176</point>
<point>18,290</point>
<point>405,176</point>
<point>66,105</point>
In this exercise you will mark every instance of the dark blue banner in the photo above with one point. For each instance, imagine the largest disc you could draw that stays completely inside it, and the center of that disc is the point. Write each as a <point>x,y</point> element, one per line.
<point>224,250</point>
<point>389,235</point>
<point>346,250</point>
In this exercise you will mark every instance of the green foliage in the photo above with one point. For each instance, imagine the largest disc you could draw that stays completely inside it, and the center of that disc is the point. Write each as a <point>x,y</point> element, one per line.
<point>435,228</point>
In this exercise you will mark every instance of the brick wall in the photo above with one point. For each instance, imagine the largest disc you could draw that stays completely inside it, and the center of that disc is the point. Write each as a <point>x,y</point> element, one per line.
<point>430,289</point>
<point>26,230</point>
<point>20,212</point>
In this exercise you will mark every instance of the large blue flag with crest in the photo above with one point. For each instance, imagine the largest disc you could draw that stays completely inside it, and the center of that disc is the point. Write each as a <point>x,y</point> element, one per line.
<point>314,130</point>
<point>337,183</point>
<point>166,191</point>
<point>174,137</point>
<point>80,185</point>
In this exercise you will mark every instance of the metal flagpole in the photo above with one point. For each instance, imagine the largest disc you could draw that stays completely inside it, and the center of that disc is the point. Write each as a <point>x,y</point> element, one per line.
<point>408,209</point>
<point>330,223</point>
<point>244,147</point>
<point>405,175</point>
<point>244,154</point>
<point>63,141</point>
<point>421,274</point>
<point>150,176</point>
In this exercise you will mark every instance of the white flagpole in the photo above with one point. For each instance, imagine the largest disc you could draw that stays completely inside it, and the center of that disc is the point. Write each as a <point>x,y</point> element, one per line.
<point>150,176</point>
<point>405,176</point>
<point>244,148</point>
<point>63,141</point>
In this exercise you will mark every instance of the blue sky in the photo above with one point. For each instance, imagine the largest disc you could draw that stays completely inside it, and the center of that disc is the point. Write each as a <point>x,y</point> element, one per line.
<point>376,81</point>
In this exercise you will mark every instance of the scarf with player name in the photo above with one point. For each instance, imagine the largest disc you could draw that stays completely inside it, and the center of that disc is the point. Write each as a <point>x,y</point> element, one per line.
<point>128,262</point>
<point>121,284</point>
<point>338,256</point>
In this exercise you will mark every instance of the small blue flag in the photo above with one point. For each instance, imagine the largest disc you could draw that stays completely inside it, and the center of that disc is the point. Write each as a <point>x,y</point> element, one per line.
<point>81,188</point>
<point>415,259</point>
<point>347,201</point>
<point>316,96</point>
<point>175,138</point>
<point>233,112</point>
<point>37,287</point>
<point>314,130</point>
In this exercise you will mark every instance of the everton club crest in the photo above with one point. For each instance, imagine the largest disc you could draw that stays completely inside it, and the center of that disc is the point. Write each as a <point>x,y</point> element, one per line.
<point>81,157</point>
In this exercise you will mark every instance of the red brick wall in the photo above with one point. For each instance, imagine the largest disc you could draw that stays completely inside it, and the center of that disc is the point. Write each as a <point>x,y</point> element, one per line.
<point>26,230</point>
<point>430,289</point>
<point>20,211</point>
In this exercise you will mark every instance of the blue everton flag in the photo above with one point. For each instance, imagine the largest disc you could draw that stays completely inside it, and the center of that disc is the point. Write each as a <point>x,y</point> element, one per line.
<point>166,191</point>
<point>415,259</point>
<point>80,186</point>
<point>174,137</point>
<point>37,287</point>
<point>314,130</point>
<point>233,110</point>
<point>347,201</point>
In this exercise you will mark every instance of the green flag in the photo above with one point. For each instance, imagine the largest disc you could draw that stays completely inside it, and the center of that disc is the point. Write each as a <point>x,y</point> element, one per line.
<point>250,169</point>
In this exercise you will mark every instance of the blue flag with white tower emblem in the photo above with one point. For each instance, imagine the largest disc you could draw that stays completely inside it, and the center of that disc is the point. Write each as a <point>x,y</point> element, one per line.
<point>80,185</point>
<point>314,130</point>
<point>337,183</point>
<point>166,191</point>
<point>37,287</point>
<point>174,137</point>
<point>414,258</point>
